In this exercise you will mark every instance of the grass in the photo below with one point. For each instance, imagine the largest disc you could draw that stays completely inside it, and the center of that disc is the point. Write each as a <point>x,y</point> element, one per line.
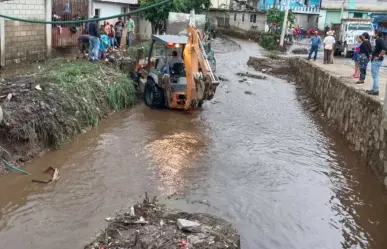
<point>132,51</point>
<point>75,95</point>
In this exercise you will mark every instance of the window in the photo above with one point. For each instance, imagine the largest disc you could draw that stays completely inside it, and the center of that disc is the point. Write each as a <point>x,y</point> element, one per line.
<point>253,18</point>
<point>243,17</point>
<point>234,17</point>
<point>357,15</point>
<point>97,12</point>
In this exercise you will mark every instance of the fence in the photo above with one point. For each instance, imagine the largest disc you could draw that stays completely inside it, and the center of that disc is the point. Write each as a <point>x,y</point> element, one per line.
<point>299,9</point>
<point>66,10</point>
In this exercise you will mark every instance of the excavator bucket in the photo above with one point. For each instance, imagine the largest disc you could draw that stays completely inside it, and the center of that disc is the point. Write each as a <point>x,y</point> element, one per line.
<point>178,23</point>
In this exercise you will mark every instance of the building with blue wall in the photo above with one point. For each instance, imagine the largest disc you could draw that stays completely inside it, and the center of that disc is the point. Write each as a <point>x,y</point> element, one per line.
<point>267,4</point>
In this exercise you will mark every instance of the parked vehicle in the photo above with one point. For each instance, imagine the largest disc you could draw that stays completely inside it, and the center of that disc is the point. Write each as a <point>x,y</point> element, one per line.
<point>346,33</point>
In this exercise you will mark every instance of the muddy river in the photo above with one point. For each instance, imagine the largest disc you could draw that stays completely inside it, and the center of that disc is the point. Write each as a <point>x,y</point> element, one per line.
<point>260,161</point>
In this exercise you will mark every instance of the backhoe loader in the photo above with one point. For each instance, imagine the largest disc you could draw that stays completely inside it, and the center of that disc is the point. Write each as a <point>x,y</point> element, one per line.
<point>180,85</point>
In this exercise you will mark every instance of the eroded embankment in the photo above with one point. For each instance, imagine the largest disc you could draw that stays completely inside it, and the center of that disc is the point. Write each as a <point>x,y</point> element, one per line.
<point>56,103</point>
<point>357,116</point>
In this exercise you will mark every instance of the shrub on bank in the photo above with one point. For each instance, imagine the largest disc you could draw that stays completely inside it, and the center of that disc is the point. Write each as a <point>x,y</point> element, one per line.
<point>64,98</point>
<point>269,41</point>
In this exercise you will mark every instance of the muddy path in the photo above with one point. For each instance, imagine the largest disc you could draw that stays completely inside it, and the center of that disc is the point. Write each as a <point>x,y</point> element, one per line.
<point>259,160</point>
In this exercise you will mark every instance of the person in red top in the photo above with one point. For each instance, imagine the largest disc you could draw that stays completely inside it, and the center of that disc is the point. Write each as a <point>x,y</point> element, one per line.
<point>298,32</point>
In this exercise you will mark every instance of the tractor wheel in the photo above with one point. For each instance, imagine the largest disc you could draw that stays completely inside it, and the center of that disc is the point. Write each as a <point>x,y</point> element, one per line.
<point>153,95</point>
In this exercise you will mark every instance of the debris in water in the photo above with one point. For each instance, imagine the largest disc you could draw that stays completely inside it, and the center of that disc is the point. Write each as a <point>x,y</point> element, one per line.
<point>11,166</point>
<point>37,87</point>
<point>252,75</point>
<point>109,218</point>
<point>1,114</point>
<point>55,176</point>
<point>222,78</point>
<point>132,211</point>
<point>9,96</point>
<point>162,230</point>
<point>248,92</point>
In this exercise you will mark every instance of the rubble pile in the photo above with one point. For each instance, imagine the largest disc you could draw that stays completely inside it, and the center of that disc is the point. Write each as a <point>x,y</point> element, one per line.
<point>152,225</point>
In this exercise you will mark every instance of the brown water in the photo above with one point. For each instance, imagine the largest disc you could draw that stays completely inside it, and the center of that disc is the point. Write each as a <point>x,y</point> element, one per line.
<point>260,160</point>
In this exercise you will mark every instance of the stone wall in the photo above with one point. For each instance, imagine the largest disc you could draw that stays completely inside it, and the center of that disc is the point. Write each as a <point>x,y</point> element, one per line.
<point>24,41</point>
<point>357,116</point>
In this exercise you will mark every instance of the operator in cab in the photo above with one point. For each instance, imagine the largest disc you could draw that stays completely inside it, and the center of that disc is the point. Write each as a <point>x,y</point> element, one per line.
<point>175,59</point>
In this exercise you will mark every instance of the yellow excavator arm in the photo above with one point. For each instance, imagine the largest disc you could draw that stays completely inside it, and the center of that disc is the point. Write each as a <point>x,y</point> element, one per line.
<point>201,81</point>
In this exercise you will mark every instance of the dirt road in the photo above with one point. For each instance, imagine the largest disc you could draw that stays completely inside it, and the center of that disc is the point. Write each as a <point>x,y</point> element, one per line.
<point>258,160</point>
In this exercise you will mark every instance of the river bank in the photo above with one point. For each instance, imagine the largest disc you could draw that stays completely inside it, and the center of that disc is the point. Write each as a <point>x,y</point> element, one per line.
<point>55,103</point>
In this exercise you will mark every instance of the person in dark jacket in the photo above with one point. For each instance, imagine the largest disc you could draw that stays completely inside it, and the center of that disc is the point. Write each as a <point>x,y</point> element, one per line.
<point>364,55</point>
<point>94,40</point>
<point>83,44</point>
<point>376,61</point>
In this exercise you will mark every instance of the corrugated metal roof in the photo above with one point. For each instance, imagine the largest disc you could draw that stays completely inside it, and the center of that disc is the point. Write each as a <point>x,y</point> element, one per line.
<point>180,39</point>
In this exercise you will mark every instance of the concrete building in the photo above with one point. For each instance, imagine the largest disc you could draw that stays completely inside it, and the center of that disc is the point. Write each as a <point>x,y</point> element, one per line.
<point>306,12</point>
<point>21,41</point>
<point>221,4</point>
<point>330,12</point>
<point>294,4</point>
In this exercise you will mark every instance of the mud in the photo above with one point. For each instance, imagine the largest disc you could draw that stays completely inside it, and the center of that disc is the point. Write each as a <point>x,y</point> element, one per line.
<point>152,225</point>
<point>263,162</point>
<point>278,67</point>
<point>56,103</point>
<point>300,51</point>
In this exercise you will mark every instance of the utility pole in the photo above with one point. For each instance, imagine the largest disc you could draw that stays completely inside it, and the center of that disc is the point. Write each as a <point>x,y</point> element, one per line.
<point>342,10</point>
<point>284,23</point>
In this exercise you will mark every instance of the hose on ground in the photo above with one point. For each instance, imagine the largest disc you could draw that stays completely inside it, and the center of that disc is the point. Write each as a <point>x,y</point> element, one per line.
<point>88,20</point>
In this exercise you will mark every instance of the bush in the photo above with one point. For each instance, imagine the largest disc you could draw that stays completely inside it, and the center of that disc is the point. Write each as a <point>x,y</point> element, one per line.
<point>269,41</point>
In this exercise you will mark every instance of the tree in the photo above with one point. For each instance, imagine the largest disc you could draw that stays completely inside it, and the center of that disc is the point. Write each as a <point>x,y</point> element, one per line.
<point>157,16</point>
<point>276,16</point>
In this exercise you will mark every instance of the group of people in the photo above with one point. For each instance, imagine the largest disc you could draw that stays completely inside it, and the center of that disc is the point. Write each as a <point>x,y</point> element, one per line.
<point>328,45</point>
<point>296,33</point>
<point>98,40</point>
<point>363,54</point>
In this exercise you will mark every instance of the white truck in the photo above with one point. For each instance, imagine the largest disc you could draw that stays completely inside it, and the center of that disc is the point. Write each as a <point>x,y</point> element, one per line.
<point>347,32</point>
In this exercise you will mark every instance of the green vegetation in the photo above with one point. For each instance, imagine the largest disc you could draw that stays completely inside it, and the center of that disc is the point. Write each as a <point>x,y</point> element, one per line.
<point>157,16</point>
<point>74,95</point>
<point>269,41</point>
<point>276,16</point>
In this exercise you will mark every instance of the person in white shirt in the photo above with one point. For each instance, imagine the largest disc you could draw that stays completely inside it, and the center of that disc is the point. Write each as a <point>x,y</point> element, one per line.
<point>328,43</point>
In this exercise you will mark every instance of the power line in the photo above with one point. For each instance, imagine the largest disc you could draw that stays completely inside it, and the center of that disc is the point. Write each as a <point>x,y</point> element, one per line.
<point>88,20</point>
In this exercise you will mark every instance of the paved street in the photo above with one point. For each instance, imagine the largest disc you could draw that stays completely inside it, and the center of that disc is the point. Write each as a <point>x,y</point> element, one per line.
<point>344,67</point>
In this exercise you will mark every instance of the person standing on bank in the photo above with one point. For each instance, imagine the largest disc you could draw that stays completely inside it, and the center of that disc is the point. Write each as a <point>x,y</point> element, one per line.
<point>119,27</point>
<point>130,31</point>
<point>376,61</point>
<point>328,43</point>
<point>94,40</point>
<point>364,55</point>
<point>316,43</point>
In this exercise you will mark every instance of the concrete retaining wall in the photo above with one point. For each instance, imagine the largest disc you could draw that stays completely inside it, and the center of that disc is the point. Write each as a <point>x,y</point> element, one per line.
<point>357,116</point>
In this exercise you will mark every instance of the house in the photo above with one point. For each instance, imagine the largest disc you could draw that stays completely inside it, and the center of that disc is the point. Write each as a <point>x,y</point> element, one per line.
<point>221,4</point>
<point>306,12</point>
<point>330,11</point>
<point>20,41</point>
<point>294,4</point>
<point>105,8</point>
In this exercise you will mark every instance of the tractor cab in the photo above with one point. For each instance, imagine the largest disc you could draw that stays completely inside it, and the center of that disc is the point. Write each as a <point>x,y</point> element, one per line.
<point>166,57</point>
